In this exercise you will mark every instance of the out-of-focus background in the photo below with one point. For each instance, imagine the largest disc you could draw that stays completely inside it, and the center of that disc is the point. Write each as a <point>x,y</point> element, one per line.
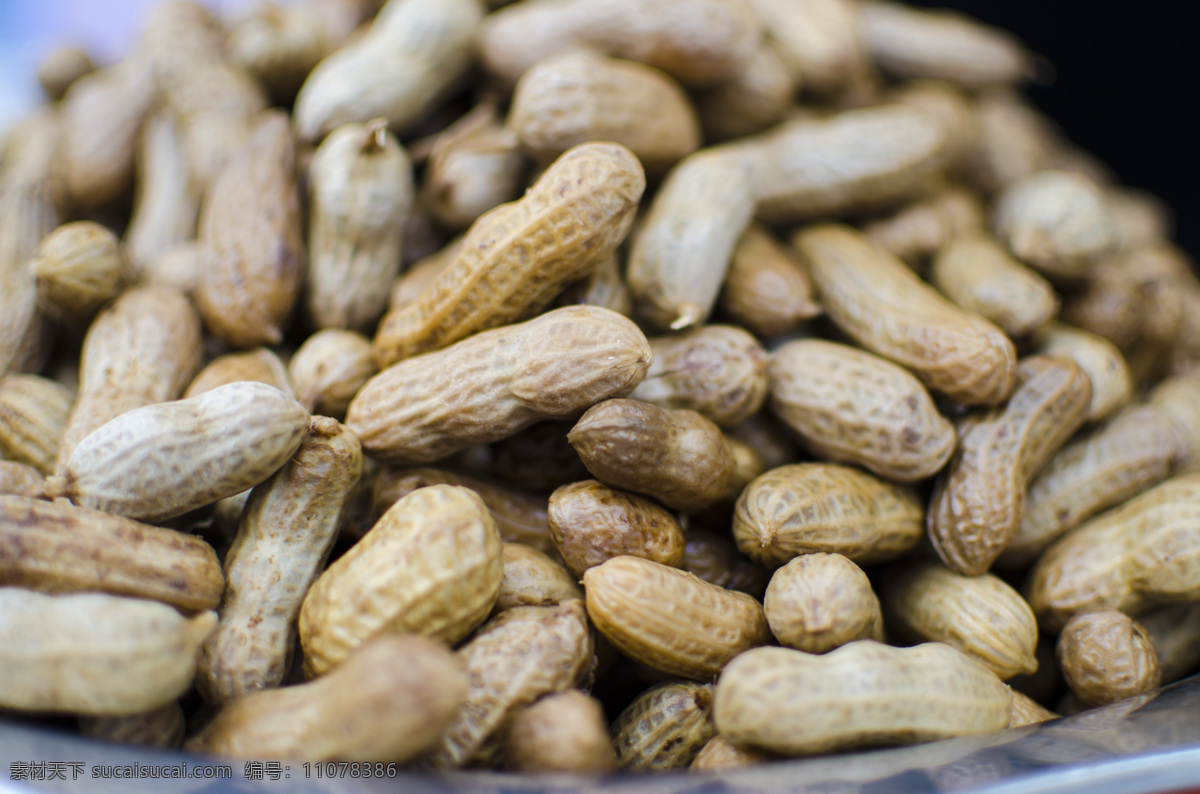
<point>1125,75</point>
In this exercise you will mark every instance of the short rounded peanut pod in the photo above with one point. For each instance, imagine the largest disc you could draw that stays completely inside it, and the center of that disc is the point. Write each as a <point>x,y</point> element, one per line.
<point>79,267</point>
<point>1106,656</point>
<point>531,578</point>
<point>664,727</point>
<point>258,365</point>
<point>33,417</point>
<point>329,369</point>
<point>1106,368</point>
<point>765,290</point>
<point>60,68</point>
<point>21,479</point>
<point>818,602</point>
<point>563,732</point>
<point>591,523</point>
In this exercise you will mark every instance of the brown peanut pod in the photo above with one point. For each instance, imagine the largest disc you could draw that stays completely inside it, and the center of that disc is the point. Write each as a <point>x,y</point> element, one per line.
<point>538,458</point>
<point>1106,656</point>
<point>1108,305</point>
<point>79,267</point>
<point>699,44</point>
<point>849,406</point>
<point>605,287</point>
<point>259,365</point>
<point>681,255</point>
<point>714,558</point>
<point>1121,558</point>
<point>94,653</point>
<point>33,417</point>
<point>819,41</point>
<point>516,258</point>
<point>823,507</point>
<point>166,202</point>
<point>886,308</point>
<point>979,615</point>
<point>923,228</point>
<point>413,55</point>
<point>908,43</point>
<point>752,100</point>
<point>515,658</point>
<point>976,273</point>
<point>664,728</point>
<point>141,350</point>
<point>591,523</point>
<point>285,534</point>
<point>551,367</point>
<point>853,162</point>
<point>579,96</point>
<point>765,290</point>
<point>670,620</point>
<point>674,455</point>
<point>864,693</point>
<point>160,727</point>
<point>1014,141</point>
<point>162,460</point>
<point>520,517</point>
<point>531,578</point>
<point>1112,382</point>
<point>719,756</point>
<point>1175,633</point>
<point>1027,711</point>
<point>329,369</point>
<point>474,165</point>
<point>1133,452</point>
<point>1157,270</point>
<point>1179,398</point>
<point>101,115</point>
<point>1056,222</point>
<point>388,702</point>
<point>818,602</point>
<point>978,501</point>
<point>21,479</point>
<point>252,258</point>
<point>718,371</point>
<point>60,68</point>
<point>59,548</point>
<point>431,565</point>
<point>361,191</point>
<point>748,465</point>
<point>563,732</point>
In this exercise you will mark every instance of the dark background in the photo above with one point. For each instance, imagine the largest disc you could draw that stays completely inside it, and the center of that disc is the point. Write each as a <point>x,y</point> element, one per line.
<point>1124,87</point>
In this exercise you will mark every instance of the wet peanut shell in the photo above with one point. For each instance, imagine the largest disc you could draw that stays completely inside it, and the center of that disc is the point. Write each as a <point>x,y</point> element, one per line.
<point>818,602</point>
<point>1106,656</point>
<point>664,728</point>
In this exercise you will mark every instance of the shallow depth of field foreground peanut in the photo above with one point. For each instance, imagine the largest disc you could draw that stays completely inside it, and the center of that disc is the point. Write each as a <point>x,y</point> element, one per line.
<point>581,386</point>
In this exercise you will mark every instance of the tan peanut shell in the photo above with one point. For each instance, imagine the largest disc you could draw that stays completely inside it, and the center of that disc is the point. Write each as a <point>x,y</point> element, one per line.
<point>674,455</point>
<point>719,371</point>
<point>819,41</point>
<point>849,406</point>
<point>719,755</point>
<point>360,195</point>
<point>823,507</point>
<point>281,44</point>
<point>160,727</point>
<point>163,460</point>
<point>58,548</point>
<point>1128,558</point>
<point>177,267</point>
<point>520,516</point>
<point>1141,217</point>
<point>1105,656</point>
<point>664,728</point>
<point>765,291</point>
<point>551,367</point>
<point>531,578</point>
<point>258,365</point>
<point>1133,452</point>
<point>591,523</point>
<point>713,557</point>
<point>864,693</point>
<point>21,479</point>
<point>1027,711</point>
<point>516,258</point>
<point>979,615</point>
<point>605,287</point>
<point>166,201</point>
<point>1179,398</point>
<point>767,436</point>
<point>409,285</point>
<point>431,565</point>
<point>79,266</point>
<point>579,96</point>
<point>329,369</point>
<point>683,251</point>
<point>1014,141</point>
<point>414,54</point>
<point>1055,222</point>
<point>908,43</point>
<point>563,732</point>
<point>388,702</point>
<point>976,273</point>
<point>1106,368</point>
<point>954,108</point>
<point>882,305</point>
<point>750,101</point>
<point>1175,633</point>
<point>515,658</point>
<point>33,417</point>
<point>252,252</point>
<point>60,68</point>
<point>818,602</point>
<point>285,534</point>
<point>141,350</point>
<point>978,501</point>
<point>94,653</point>
<point>699,43</point>
<point>922,228</point>
<point>672,621</point>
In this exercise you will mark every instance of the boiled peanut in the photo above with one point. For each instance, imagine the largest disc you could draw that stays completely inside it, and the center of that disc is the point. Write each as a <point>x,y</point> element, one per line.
<point>531,578</point>
<point>1112,384</point>
<point>765,290</point>
<point>329,369</point>
<point>664,727</point>
<point>33,416</point>
<point>79,267</point>
<point>563,732</point>
<point>818,602</point>
<point>258,365</point>
<point>1106,656</point>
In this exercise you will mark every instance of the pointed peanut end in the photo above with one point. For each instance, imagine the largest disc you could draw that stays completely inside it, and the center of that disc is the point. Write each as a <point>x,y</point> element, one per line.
<point>689,315</point>
<point>55,488</point>
<point>375,135</point>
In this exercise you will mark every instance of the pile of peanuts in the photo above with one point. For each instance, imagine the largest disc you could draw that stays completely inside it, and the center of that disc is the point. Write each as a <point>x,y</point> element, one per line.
<point>685,353</point>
